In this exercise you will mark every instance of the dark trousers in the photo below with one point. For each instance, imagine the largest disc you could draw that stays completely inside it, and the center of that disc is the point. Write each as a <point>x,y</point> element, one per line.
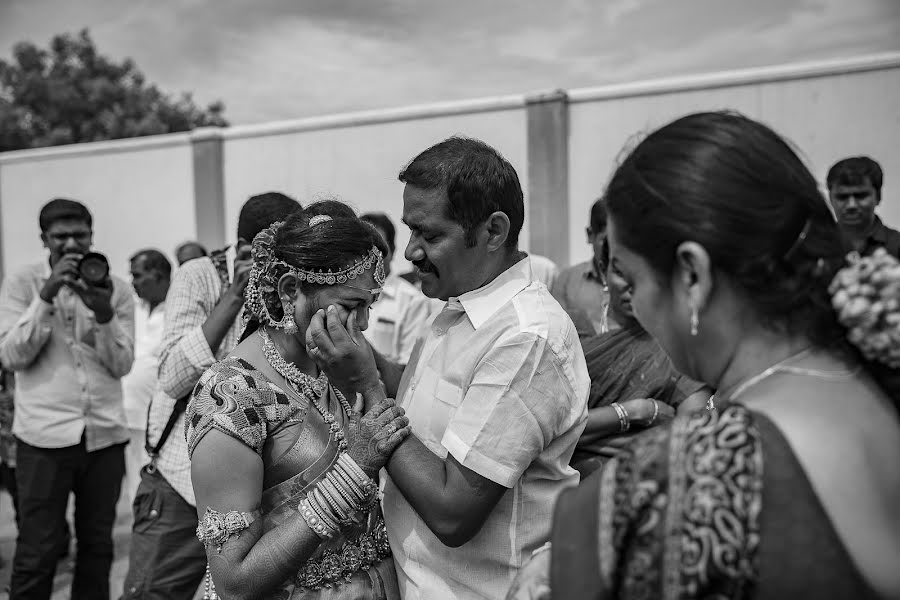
<point>167,561</point>
<point>45,477</point>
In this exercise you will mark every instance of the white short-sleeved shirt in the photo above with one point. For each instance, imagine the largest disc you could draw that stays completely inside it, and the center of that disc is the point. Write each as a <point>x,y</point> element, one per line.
<point>499,381</point>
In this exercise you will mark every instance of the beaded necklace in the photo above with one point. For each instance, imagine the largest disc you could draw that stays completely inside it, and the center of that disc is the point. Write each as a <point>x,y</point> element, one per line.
<point>306,386</point>
<point>782,367</point>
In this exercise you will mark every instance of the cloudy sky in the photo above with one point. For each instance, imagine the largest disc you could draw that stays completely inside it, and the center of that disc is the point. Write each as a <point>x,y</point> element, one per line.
<point>283,59</point>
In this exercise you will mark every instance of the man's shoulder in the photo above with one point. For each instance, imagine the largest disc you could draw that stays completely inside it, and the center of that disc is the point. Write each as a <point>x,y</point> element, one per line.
<point>195,275</point>
<point>29,272</point>
<point>576,270</point>
<point>535,312</point>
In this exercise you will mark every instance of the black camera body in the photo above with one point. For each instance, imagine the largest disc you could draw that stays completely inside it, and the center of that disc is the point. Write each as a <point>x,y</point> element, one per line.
<point>93,268</point>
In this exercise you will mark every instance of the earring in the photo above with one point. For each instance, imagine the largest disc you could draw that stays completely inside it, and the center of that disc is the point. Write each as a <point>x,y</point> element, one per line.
<point>695,321</point>
<point>287,322</point>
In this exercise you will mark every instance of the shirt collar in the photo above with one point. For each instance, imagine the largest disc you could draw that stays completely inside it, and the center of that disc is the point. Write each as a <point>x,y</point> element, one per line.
<point>482,303</point>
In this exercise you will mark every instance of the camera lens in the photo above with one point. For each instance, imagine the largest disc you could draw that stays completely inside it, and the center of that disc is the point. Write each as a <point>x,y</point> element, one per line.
<point>93,268</point>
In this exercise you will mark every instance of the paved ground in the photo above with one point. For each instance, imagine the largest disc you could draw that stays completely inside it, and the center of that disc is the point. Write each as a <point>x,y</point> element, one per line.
<point>121,537</point>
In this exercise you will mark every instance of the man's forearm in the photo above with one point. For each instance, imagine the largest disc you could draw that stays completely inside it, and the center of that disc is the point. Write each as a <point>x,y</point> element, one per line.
<point>421,477</point>
<point>220,320</point>
<point>390,373</point>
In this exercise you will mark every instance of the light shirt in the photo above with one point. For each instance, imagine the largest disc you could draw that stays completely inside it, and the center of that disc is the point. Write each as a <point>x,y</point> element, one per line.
<point>398,318</point>
<point>584,295</point>
<point>140,384</point>
<point>544,270</point>
<point>196,288</point>
<point>68,367</point>
<point>500,382</point>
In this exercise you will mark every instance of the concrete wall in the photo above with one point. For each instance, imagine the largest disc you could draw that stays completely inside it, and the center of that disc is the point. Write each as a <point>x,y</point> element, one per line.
<point>828,110</point>
<point>140,193</point>
<point>160,191</point>
<point>357,157</point>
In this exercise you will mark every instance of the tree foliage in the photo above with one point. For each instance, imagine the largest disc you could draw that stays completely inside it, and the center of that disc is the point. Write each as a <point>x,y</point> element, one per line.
<point>71,93</point>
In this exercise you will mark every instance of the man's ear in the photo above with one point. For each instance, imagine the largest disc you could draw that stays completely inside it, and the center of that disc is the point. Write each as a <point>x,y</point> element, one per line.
<point>497,228</point>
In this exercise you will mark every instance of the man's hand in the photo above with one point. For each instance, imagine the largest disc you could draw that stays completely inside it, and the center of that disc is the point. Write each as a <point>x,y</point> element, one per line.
<point>64,272</point>
<point>242,266</point>
<point>343,353</point>
<point>98,298</point>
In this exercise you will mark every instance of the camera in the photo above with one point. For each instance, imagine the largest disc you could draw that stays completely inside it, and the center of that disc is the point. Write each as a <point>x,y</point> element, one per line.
<point>93,269</point>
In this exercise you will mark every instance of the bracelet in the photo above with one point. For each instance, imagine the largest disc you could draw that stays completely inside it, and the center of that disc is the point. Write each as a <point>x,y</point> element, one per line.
<point>313,521</point>
<point>624,421</point>
<point>216,528</point>
<point>655,413</point>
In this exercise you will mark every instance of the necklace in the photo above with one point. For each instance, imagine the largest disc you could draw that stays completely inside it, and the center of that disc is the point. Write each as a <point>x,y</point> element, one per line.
<point>782,367</point>
<point>306,386</point>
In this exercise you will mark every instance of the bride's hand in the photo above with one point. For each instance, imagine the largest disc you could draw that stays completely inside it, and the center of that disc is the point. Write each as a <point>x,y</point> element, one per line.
<point>342,352</point>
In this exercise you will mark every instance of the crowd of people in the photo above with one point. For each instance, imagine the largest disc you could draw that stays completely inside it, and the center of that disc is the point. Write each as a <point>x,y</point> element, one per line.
<point>708,407</point>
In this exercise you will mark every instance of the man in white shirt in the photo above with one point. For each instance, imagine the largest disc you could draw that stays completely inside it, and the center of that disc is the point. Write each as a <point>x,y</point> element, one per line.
<point>495,391</point>
<point>151,274</point>
<point>397,318</point>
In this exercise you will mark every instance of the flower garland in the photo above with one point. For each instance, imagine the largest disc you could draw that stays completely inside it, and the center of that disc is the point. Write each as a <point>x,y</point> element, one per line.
<point>866,296</point>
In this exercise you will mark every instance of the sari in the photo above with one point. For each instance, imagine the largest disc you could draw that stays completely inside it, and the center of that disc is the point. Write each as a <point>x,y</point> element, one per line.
<point>715,505</point>
<point>623,365</point>
<point>297,450</point>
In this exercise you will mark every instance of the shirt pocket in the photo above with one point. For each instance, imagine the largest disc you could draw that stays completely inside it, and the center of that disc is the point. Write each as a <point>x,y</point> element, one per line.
<point>447,398</point>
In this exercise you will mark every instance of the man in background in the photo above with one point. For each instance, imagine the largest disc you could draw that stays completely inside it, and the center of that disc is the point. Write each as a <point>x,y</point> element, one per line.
<point>151,272</point>
<point>68,333</point>
<point>397,318</point>
<point>581,289</point>
<point>854,187</point>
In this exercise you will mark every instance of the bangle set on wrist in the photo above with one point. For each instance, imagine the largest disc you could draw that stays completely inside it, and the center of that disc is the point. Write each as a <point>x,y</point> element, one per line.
<point>655,413</point>
<point>624,421</point>
<point>344,491</point>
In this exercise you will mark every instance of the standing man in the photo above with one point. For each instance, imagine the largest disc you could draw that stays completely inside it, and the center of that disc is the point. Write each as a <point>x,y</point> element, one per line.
<point>68,333</point>
<point>854,187</point>
<point>495,391</point>
<point>151,272</point>
<point>581,289</point>
<point>202,325</point>
<point>397,319</point>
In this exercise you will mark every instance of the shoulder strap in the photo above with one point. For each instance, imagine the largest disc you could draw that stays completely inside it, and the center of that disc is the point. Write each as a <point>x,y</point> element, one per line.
<point>177,410</point>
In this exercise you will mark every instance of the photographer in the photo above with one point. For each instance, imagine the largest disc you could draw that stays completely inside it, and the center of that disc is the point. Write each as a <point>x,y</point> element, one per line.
<point>67,330</point>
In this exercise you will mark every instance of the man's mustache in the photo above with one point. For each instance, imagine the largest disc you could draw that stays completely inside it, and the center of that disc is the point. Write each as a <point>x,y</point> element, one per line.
<point>425,266</point>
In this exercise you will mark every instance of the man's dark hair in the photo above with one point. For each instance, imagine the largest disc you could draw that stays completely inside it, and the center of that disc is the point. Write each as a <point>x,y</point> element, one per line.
<point>477,179</point>
<point>598,216</point>
<point>855,171</point>
<point>154,260</point>
<point>262,210</point>
<point>383,223</point>
<point>62,209</point>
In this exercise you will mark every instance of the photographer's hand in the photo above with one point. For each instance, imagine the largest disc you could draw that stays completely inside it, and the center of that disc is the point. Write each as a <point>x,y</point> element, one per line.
<point>98,298</point>
<point>64,271</point>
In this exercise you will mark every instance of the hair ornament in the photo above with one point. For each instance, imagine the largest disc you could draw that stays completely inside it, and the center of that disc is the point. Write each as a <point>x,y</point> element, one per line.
<point>866,295</point>
<point>318,220</point>
<point>799,241</point>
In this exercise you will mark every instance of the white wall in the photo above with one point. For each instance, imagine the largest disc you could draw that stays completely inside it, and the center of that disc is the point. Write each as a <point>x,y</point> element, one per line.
<point>358,164</point>
<point>140,194</point>
<point>827,117</point>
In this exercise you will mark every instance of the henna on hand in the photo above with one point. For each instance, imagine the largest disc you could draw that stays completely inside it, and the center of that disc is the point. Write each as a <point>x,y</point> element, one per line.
<point>373,437</point>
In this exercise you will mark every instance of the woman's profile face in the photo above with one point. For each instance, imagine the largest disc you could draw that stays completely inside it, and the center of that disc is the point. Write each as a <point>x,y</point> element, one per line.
<point>651,301</point>
<point>356,295</point>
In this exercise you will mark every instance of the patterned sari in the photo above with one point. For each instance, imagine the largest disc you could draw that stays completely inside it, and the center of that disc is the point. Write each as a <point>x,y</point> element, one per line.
<point>623,365</point>
<point>689,511</point>
<point>297,450</point>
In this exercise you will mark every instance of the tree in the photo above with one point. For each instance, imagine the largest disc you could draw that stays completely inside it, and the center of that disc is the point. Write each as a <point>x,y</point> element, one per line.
<point>71,93</point>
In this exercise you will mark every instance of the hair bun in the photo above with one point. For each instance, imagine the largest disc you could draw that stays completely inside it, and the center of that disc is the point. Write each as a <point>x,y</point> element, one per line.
<point>318,220</point>
<point>866,296</point>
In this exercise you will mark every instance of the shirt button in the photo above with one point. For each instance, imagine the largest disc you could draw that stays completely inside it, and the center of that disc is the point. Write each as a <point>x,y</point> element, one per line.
<point>412,386</point>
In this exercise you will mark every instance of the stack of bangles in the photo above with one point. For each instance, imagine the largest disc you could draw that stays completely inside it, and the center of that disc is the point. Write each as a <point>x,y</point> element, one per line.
<point>624,421</point>
<point>344,491</point>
